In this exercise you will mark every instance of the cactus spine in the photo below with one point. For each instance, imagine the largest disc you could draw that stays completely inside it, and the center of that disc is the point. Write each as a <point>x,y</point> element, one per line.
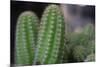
<point>51,35</point>
<point>26,34</point>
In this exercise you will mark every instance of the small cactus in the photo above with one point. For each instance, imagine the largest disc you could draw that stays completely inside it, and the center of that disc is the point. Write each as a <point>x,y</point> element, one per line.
<point>90,57</point>
<point>80,45</point>
<point>51,36</point>
<point>26,36</point>
<point>79,53</point>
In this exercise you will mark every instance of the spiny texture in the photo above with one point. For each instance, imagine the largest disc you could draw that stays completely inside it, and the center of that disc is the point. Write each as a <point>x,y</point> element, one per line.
<point>91,54</point>
<point>26,36</point>
<point>51,36</point>
<point>79,53</point>
<point>90,57</point>
<point>81,44</point>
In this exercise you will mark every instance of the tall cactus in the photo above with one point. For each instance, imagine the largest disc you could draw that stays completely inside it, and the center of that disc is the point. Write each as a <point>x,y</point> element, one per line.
<point>51,35</point>
<point>26,36</point>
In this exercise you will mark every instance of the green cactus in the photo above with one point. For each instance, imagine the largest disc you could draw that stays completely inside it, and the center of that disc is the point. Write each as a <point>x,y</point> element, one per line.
<point>51,36</point>
<point>81,44</point>
<point>26,37</point>
<point>47,44</point>
<point>79,53</point>
<point>89,31</point>
<point>90,57</point>
<point>92,46</point>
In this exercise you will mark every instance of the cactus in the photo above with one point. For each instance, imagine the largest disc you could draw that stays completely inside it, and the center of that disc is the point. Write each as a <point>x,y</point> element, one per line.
<point>89,31</point>
<point>79,53</point>
<point>47,44</point>
<point>80,45</point>
<point>26,36</point>
<point>92,46</point>
<point>90,57</point>
<point>51,36</point>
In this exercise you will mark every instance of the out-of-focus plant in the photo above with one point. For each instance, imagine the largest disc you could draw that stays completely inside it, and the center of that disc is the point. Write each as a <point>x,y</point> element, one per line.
<point>80,45</point>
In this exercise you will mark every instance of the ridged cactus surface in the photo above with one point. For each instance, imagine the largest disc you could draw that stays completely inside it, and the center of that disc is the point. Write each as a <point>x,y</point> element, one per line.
<point>51,36</point>
<point>26,36</point>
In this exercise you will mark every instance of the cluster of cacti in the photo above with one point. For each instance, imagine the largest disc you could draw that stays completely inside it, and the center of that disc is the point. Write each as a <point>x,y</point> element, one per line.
<point>80,45</point>
<point>26,34</point>
<point>48,47</point>
<point>46,43</point>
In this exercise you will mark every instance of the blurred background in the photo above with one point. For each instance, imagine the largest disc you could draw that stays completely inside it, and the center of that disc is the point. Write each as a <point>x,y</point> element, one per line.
<point>76,16</point>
